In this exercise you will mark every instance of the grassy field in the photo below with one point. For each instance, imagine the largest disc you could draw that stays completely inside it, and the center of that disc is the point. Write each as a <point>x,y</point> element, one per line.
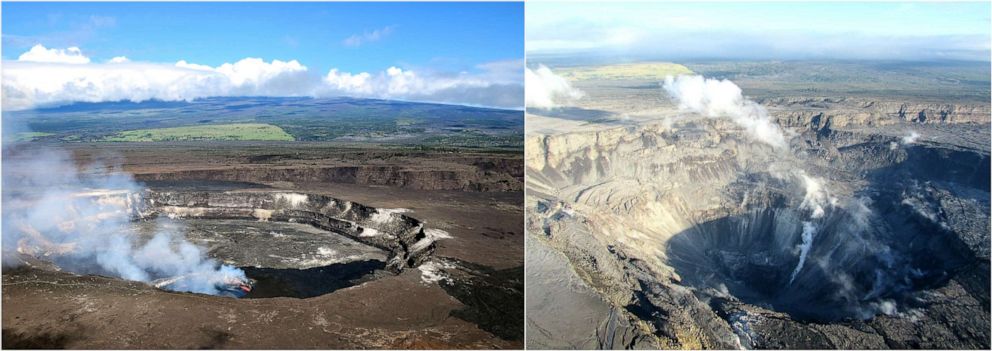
<point>28,136</point>
<point>626,71</point>
<point>246,131</point>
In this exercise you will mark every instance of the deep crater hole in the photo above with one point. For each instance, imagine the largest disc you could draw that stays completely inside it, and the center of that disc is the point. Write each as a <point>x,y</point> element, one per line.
<point>852,270</point>
<point>282,259</point>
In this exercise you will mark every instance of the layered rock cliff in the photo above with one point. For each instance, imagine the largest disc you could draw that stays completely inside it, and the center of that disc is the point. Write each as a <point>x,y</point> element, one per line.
<point>403,237</point>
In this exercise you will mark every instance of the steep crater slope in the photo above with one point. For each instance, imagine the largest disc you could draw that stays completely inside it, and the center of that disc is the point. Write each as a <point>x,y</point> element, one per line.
<point>703,240</point>
<point>461,171</point>
<point>404,238</point>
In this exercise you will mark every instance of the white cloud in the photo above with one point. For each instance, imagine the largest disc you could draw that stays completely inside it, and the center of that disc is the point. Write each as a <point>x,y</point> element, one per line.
<point>39,53</point>
<point>368,37</point>
<point>495,84</point>
<point>28,85</point>
<point>35,82</point>
<point>400,82</point>
<point>256,72</point>
<point>722,98</point>
<point>347,82</point>
<point>547,90</point>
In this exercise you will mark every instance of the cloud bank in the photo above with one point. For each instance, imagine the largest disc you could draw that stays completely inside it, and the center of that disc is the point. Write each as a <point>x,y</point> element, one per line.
<point>498,84</point>
<point>45,77</point>
<point>547,90</point>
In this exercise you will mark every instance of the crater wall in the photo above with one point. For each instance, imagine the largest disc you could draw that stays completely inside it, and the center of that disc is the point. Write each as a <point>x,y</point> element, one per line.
<point>402,236</point>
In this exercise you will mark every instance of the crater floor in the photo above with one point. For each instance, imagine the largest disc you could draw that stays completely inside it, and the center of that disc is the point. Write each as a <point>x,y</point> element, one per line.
<point>676,230</point>
<point>253,243</point>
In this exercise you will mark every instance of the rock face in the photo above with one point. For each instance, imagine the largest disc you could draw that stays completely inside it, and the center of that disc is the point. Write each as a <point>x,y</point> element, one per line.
<point>403,237</point>
<point>843,112</point>
<point>482,174</point>
<point>691,235</point>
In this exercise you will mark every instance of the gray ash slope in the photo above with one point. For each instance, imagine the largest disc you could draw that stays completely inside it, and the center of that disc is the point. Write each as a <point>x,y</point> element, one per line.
<point>680,232</point>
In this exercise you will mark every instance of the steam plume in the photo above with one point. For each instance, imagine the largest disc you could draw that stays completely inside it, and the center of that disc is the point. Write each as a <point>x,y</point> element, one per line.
<point>817,197</point>
<point>910,138</point>
<point>547,90</point>
<point>906,140</point>
<point>808,231</point>
<point>80,221</point>
<point>722,98</point>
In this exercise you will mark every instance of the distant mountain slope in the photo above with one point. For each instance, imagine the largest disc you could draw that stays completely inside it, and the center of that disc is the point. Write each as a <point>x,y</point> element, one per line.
<point>305,119</point>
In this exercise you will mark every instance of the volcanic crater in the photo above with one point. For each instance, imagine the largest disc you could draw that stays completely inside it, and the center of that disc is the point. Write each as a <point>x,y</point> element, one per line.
<point>291,244</point>
<point>689,227</point>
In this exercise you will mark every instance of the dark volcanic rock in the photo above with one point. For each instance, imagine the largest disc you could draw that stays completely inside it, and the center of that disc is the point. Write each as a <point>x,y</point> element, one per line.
<point>493,298</point>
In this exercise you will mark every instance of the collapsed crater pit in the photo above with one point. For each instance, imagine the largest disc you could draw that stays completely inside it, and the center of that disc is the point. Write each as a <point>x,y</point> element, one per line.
<point>283,259</point>
<point>876,253</point>
<point>288,244</point>
<point>728,219</point>
<point>851,270</point>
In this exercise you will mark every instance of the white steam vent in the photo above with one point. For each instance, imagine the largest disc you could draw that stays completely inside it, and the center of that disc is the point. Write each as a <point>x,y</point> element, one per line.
<point>82,230</point>
<point>292,199</point>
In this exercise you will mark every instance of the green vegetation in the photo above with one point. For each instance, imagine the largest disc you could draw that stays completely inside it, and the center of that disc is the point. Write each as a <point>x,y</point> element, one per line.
<point>339,120</point>
<point>626,71</point>
<point>475,139</point>
<point>28,136</point>
<point>246,131</point>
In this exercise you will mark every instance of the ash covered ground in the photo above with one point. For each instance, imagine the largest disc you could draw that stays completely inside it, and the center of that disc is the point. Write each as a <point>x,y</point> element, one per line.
<point>801,205</point>
<point>355,245</point>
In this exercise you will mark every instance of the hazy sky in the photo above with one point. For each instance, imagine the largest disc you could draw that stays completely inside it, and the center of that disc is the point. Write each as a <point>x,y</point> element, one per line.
<point>761,30</point>
<point>463,53</point>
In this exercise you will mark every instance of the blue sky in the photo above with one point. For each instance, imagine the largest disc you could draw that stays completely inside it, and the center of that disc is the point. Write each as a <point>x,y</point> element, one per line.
<point>457,35</point>
<point>770,30</point>
<point>456,53</point>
